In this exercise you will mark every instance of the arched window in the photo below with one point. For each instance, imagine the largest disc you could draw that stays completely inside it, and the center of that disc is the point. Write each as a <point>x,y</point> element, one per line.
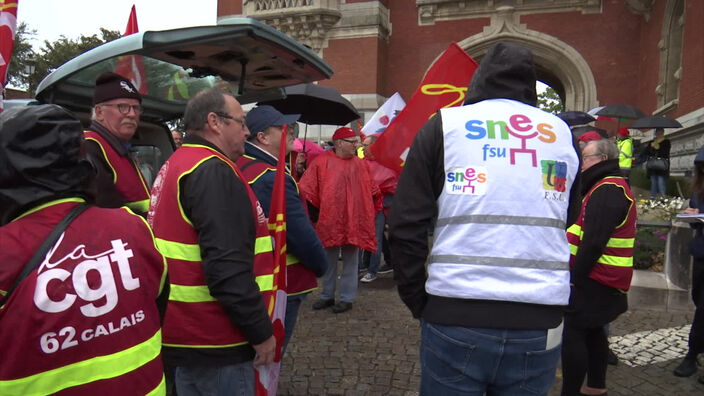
<point>670,45</point>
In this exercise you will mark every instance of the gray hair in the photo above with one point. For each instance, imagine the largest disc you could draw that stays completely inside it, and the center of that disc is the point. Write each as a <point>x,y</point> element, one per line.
<point>207,101</point>
<point>606,147</point>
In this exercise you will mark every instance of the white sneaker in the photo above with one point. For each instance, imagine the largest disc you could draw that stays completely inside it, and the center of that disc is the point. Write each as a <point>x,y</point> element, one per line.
<point>368,278</point>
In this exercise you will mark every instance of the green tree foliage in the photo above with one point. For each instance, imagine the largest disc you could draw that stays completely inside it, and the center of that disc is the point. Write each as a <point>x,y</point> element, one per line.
<point>550,101</point>
<point>22,57</point>
<point>54,54</point>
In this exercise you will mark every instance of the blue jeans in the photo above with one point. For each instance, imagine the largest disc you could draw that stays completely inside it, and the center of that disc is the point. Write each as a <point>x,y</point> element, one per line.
<point>472,361</point>
<point>293,303</point>
<point>348,278</point>
<point>375,258</point>
<point>237,379</point>
<point>658,185</point>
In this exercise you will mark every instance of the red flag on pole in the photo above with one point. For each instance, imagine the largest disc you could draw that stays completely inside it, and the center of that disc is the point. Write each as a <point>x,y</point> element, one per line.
<point>8,27</point>
<point>444,85</point>
<point>267,376</point>
<point>132,66</point>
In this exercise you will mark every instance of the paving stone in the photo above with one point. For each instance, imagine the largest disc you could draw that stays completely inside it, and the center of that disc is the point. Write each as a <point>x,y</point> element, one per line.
<point>373,350</point>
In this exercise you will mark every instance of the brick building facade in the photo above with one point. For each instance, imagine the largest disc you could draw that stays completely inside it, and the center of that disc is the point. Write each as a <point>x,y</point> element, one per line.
<point>648,53</point>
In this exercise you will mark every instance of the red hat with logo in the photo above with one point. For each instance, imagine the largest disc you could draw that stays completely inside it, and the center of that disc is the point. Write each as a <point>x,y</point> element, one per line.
<point>342,133</point>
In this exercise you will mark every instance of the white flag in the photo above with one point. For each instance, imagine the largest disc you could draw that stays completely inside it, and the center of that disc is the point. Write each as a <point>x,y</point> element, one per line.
<point>387,112</point>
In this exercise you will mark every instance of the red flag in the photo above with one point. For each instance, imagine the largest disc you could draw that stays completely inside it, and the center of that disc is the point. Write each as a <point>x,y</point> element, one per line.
<point>267,376</point>
<point>8,27</point>
<point>132,66</point>
<point>444,85</point>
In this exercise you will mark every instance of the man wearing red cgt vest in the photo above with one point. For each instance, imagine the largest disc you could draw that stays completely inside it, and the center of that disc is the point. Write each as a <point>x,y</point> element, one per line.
<point>601,266</point>
<point>115,117</point>
<point>80,305</point>
<point>214,235</point>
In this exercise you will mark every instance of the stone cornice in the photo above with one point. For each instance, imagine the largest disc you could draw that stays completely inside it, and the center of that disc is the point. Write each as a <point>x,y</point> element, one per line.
<point>431,11</point>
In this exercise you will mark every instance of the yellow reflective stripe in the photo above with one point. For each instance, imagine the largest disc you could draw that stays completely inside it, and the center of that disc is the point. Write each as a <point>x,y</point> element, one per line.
<point>301,292</point>
<point>190,294</point>
<point>575,229</point>
<point>621,242</point>
<point>87,371</point>
<point>616,261</point>
<point>178,250</point>
<point>263,245</point>
<point>573,249</point>
<point>105,155</point>
<point>291,259</point>
<point>265,282</point>
<point>206,346</point>
<point>160,389</point>
<point>196,294</point>
<point>47,204</point>
<point>140,206</point>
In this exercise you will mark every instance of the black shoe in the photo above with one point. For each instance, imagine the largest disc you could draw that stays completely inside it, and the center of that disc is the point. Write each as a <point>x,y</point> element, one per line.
<point>701,379</point>
<point>320,304</point>
<point>342,307</point>
<point>611,358</point>
<point>686,368</point>
<point>385,269</point>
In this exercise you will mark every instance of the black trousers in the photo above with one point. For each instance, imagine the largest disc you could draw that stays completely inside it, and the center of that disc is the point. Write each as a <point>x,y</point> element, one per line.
<point>696,334</point>
<point>584,352</point>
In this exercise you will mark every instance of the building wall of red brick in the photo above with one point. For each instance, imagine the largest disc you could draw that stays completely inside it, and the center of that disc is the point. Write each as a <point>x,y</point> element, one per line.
<point>692,86</point>
<point>358,64</point>
<point>620,47</point>
<point>229,7</point>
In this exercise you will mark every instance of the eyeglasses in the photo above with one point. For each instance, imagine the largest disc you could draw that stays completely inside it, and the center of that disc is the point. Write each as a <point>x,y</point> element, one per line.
<point>591,155</point>
<point>124,108</point>
<point>229,117</point>
<point>350,141</point>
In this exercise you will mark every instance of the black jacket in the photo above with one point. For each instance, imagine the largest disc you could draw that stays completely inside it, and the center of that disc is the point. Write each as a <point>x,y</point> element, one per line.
<point>107,195</point>
<point>505,72</point>
<point>219,207</point>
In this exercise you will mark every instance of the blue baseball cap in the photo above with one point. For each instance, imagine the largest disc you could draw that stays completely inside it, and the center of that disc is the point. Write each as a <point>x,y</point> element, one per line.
<point>264,116</point>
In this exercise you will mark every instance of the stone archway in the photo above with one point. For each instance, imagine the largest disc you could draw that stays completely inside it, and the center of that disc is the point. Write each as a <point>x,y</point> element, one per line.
<point>557,63</point>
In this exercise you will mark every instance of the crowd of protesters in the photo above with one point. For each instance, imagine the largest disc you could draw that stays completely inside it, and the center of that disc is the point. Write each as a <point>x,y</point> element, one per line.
<point>107,284</point>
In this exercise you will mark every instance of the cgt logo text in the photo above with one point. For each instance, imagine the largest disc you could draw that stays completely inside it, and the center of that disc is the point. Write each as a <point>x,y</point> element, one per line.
<point>466,181</point>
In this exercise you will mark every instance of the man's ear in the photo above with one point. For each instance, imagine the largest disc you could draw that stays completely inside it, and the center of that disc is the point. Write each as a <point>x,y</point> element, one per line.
<point>262,137</point>
<point>213,122</point>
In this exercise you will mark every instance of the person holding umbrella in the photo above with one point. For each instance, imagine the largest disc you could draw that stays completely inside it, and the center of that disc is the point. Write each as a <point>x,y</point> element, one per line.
<point>658,164</point>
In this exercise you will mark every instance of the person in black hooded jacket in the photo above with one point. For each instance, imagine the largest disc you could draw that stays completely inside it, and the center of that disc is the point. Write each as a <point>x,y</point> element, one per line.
<point>497,280</point>
<point>688,366</point>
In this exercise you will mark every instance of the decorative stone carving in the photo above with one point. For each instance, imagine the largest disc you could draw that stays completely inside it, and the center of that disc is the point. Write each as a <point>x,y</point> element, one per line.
<point>430,11</point>
<point>640,7</point>
<point>552,55</point>
<point>307,21</point>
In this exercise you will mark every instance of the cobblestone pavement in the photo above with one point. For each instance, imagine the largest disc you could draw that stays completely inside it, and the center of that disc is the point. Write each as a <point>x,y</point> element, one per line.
<point>373,349</point>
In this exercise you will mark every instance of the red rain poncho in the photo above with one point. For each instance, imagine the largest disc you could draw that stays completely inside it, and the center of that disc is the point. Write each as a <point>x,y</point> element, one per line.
<point>343,190</point>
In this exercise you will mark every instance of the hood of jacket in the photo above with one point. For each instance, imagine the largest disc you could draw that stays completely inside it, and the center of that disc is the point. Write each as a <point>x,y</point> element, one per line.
<point>40,158</point>
<point>506,72</point>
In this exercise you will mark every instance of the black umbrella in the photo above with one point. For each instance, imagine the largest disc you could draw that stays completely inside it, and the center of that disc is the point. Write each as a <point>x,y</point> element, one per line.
<point>581,130</point>
<point>316,105</point>
<point>621,111</point>
<point>576,117</point>
<point>655,122</point>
